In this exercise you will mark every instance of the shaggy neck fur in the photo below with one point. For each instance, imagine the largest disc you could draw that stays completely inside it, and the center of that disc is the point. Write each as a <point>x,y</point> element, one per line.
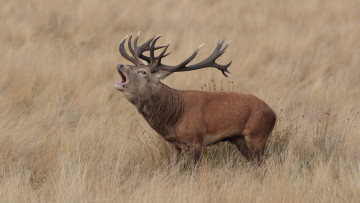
<point>162,108</point>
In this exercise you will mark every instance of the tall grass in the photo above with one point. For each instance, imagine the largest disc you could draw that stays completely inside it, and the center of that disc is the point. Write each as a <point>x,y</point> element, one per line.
<point>66,134</point>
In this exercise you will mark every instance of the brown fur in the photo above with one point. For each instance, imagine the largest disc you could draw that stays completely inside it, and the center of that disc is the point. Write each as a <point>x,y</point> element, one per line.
<point>162,108</point>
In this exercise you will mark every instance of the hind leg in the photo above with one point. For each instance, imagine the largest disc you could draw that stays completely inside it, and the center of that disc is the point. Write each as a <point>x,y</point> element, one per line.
<point>252,147</point>
<point>256,150</point>
<point>257,133</point>
<point>256,144</point>
<point>240,144</point>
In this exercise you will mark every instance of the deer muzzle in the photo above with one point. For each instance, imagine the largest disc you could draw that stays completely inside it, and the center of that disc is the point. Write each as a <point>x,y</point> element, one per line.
<point>120,85</point>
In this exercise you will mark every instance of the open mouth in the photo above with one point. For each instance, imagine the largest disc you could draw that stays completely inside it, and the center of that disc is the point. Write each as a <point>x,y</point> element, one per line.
<point>123,81</point>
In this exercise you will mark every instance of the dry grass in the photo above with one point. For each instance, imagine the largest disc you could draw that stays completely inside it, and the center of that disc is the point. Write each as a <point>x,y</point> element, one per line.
<point>66,134</point>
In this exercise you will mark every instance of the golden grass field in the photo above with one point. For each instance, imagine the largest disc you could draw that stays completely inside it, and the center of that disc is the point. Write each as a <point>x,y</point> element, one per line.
<point>66,134</point>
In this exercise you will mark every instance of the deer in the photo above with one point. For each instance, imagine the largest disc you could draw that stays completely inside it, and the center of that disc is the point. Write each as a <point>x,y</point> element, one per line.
<point>191,120</point>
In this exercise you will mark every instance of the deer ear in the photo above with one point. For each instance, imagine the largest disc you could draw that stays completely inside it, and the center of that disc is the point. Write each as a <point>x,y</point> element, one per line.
<point>160,74</point>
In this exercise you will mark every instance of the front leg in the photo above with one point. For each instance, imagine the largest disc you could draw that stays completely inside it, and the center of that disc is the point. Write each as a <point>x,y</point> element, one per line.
<point>196,151</point>
<point>174,154</point>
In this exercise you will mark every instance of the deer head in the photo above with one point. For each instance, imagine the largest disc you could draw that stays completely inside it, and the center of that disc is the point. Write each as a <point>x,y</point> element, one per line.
<point>140,78</point>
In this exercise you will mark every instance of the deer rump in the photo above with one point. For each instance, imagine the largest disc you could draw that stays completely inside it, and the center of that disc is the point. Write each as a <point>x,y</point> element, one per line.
<point>191,120</point>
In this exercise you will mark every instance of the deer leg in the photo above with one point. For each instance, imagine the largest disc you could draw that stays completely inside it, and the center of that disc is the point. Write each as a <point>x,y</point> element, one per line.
<point>256,149</point>
<point>241,146</point>
<point>196,155</point>
<point>174,154</point>
<point>256,144</point>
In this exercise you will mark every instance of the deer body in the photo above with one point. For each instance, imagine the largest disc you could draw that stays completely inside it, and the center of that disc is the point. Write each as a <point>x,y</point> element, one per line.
<point>191,120</point>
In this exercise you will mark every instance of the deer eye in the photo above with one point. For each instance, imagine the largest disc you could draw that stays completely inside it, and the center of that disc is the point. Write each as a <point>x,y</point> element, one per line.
<point>143,72</point>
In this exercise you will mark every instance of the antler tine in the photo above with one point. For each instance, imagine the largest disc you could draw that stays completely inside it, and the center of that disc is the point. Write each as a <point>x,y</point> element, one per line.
<point>226,46</point>
<point>123,52</point>
<point>223,68</point>
<point>220,44</point>
<point>188,60</point>
<point>208,62</point>
<point>152,48</point>
<point>158,60</point>
<point>135,56</point>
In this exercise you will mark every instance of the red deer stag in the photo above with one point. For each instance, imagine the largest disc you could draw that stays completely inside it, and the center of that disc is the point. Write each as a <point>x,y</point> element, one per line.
<point>191,120</point>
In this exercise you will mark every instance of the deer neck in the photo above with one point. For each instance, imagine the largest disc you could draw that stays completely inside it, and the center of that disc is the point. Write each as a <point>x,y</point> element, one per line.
<point>162,108</point>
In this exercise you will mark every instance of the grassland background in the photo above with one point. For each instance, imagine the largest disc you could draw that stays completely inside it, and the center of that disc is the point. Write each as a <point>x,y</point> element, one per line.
<point>66,134</point>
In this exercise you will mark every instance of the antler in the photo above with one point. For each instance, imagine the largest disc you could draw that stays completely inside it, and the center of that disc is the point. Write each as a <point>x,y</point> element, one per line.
<point>145,47</point>
<point>137,52</point>
<point>134,59</point>
<point>154,63</point>
<point>209,62</point>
